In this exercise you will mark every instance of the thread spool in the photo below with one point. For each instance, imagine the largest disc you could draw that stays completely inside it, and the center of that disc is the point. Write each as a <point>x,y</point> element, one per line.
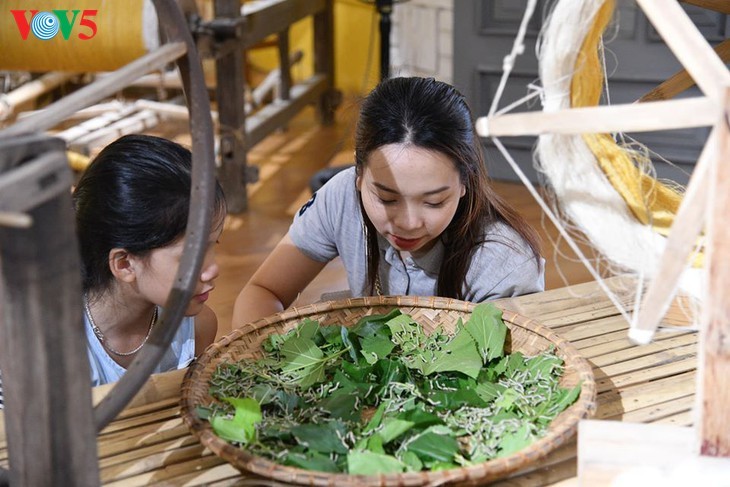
<point>116,34</point>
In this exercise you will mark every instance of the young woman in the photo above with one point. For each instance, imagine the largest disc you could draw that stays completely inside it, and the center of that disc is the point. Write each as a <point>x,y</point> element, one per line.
<point>415,216</point>
<point>131,212</point>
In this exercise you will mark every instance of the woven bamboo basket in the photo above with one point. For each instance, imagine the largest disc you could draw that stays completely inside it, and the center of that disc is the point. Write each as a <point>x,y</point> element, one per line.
<point>525,335</point>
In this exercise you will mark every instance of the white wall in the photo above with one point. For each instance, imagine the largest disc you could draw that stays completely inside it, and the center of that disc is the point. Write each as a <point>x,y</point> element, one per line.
<point>422,39</point>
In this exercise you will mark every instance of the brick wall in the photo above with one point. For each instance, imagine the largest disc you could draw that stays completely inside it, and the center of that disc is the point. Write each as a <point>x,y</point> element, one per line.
<point>422,39</point>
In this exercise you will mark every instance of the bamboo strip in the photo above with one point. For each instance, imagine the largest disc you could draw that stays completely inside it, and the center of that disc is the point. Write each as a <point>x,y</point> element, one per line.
<point>620,400</point>
<point>131,422</point>
<point>218,475</point>
<point>551,305</point>
<point>684,419</point>
<point>660,412</point>
<point>623,362</point>
<point>159,460</point>
<point>161,475</point>
<point>157,387</point>
<point>586,330</point>
<point>132,455</point>
<point>602,355</point>
<point>639,377</point>
<point>170,430</point>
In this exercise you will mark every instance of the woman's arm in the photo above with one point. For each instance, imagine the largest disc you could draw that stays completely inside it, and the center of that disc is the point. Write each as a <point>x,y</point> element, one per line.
<point>276,284</point>
<point>206,327</point>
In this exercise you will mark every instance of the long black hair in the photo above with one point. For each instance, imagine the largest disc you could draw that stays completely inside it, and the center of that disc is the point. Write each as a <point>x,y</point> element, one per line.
<point>435,116</point>
<point>135,195</point>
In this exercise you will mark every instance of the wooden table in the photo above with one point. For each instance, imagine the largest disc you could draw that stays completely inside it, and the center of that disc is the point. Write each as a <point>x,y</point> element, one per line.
<point>148,443</point>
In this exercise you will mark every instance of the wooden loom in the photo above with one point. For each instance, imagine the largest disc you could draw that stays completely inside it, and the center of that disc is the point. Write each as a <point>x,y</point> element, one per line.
<point>52,426</point>
<point>234,28</point>
<point>608,450</point>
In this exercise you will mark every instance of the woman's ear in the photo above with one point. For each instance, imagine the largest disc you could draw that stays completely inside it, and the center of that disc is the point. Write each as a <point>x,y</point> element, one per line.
<point>463,191</point>
<point>122,265</point>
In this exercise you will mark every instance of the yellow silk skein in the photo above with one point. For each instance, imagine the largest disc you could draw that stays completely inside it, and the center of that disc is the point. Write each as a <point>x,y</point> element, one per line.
<point>125,30</point>
<point>651,202</point>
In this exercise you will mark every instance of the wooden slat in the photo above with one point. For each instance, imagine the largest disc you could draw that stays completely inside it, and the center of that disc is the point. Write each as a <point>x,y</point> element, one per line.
<point>722,6</point>
<point>638,378</point>
<point>604,354</point>
<point>619,400</point>
<point>666,412</point>
<point>637,117</point>
<point>681,80</point>
<point>265,17</point>
<point>275,114</point>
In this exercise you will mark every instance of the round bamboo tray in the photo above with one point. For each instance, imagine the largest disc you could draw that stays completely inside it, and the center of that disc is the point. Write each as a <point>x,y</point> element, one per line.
<point>525,336</point>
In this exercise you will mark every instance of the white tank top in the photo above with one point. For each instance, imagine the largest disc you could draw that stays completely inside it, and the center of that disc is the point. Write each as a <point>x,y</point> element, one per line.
<point>104,369</point>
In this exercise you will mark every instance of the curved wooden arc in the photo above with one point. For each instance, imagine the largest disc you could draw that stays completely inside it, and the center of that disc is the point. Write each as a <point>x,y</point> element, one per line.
<point>199,218</point>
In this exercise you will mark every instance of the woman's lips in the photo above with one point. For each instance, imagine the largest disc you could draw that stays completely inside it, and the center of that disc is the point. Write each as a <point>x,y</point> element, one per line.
<point>202,297</point>
<point>405,243</point>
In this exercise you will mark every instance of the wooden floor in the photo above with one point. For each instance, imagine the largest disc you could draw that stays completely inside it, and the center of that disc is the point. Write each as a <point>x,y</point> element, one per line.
<point>286,161</point>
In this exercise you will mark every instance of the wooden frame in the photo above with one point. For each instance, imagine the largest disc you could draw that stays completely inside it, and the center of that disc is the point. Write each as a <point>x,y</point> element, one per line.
<point>238,133</point>
<point>707,199</point>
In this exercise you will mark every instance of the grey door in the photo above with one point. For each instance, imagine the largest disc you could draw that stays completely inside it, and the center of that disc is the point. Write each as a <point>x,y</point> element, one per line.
<point>637,61</point>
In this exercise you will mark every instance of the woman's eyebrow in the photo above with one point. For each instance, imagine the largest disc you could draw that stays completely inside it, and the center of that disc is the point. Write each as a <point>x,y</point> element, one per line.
<point>382,187</point>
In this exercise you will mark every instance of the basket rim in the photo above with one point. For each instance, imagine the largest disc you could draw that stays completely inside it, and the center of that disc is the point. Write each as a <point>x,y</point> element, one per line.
<point>560,430</point>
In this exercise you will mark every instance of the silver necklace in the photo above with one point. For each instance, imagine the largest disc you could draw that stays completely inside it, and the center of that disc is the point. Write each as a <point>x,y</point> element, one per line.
<point>103,339</point>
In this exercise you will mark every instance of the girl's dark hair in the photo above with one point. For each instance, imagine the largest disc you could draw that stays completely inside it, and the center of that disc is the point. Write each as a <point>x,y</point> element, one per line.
<point>435,116</point>
<point>135,195</point>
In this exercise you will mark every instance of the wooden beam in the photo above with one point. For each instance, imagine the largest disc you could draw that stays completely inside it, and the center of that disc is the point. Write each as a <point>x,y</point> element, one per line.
<point>276,114</point>
<point>98,90</point>
<point>266,17</point>
<point>686,228</point>
<point>714,386</point>
<point>722,6</point>
<point>635,117</point>
<point>681,80</point>
<point>51,439</point>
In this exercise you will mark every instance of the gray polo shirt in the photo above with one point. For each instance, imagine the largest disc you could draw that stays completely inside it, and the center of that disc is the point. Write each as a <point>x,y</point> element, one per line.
<point>331,224</point>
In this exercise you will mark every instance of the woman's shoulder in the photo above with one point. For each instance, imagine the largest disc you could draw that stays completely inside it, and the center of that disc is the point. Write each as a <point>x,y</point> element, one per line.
<point>343,181</point>
<point>498,234</point>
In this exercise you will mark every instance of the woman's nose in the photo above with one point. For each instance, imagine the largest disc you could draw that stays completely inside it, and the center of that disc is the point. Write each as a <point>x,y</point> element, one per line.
<point>210,271</point>
<point>408,218</point>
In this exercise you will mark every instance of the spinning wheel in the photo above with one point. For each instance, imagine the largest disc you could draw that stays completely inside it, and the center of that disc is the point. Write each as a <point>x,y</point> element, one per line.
<point>53,441</point>
<point>707,198</point>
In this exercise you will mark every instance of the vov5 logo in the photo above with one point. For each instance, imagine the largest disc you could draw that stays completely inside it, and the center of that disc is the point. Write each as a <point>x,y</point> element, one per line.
<point>46,25</point>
